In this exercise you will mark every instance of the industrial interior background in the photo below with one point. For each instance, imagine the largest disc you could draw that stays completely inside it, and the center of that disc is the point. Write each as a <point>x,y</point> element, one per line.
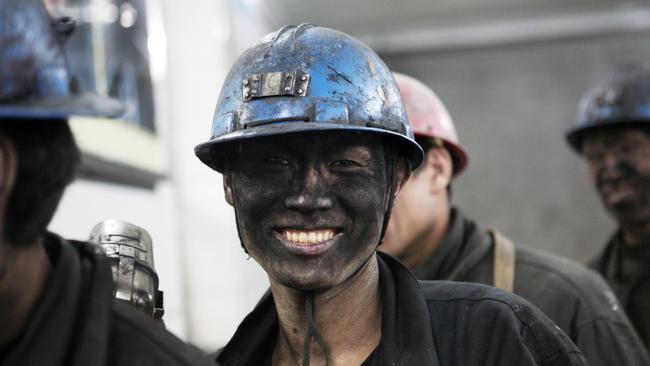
<point>511,73</point>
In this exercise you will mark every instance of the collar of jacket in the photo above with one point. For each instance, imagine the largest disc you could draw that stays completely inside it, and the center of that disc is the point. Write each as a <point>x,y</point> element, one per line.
<point>463,236</point>
<point>406,324</point>
<point>622,265</point>
<point>69,325</point>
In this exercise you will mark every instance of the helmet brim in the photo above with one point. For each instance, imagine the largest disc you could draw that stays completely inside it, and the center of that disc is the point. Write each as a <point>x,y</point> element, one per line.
<point>459,157</point>
<point>213,153</point>
<point>575,135</point>
<point>83,105</point>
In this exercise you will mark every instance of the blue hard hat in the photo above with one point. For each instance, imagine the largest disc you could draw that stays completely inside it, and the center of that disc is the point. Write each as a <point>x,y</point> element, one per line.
<point>621,100</point>
<point>35,82</point>
<point>307,78</point>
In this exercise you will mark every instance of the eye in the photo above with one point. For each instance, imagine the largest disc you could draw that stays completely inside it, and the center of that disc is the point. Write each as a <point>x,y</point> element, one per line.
<point>345,163</point>
<point>273,163</point>
<point>276,160</point>
<point>594,158</point>
<point>628,148</point>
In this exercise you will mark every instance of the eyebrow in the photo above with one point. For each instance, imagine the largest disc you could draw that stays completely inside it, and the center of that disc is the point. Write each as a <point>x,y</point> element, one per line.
<point>363,151</point>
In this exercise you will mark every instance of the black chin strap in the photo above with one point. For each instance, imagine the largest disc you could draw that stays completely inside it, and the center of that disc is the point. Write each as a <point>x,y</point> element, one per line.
<point>312,332</point>
<point>390,193</point>
<point>234,205</point>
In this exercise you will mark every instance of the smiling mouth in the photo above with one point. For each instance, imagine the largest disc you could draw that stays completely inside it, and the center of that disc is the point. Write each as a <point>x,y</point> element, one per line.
<point>618,192</point>
<point>308,237</point>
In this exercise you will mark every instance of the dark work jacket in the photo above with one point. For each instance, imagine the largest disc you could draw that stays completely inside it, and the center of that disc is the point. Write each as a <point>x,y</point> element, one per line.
<point>430,323</point>
<point>574,297</point>
<point>77,323</point>
<point>627,270</point>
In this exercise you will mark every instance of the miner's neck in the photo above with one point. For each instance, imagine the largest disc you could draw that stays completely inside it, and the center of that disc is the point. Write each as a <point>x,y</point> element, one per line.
<point>428,242</point>
<point>23,274</point>
<point>348,317</point>
<point>636,234</point>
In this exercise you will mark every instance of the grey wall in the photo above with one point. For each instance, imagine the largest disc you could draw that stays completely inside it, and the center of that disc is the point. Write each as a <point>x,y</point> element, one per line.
<point>511,106</point>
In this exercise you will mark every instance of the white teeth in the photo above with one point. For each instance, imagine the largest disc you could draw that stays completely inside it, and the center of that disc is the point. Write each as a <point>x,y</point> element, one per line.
<point>308,237</point>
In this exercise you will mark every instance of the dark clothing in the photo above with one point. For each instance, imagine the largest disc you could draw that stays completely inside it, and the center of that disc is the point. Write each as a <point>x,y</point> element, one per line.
<point>77,323</point>
<point>628,272</point>
<point>430,323</point>
<point>574,297</point>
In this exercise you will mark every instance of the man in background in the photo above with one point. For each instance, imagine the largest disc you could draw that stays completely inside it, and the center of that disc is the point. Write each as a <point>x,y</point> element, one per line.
<point>56,296</point>
<point>612,134</point>
<point>438,242</point>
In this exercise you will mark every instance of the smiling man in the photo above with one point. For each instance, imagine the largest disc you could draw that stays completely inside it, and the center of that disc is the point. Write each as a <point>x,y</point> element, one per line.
<point>314,144</point>
<point>613,135</point>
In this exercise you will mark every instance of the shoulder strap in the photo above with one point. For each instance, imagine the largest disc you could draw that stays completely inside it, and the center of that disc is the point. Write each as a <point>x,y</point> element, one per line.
<point>504,262</point>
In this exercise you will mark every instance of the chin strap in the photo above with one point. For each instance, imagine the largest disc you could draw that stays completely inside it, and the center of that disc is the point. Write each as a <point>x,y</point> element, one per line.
<point>234,205</point>
<point>312,332</point>
<point>390,157</point>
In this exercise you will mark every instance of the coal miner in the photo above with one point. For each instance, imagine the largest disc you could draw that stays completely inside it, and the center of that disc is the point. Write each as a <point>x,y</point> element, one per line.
<point>56,296</point>
<point>438,242</point>
<point>314,145</point>
<point>612,134</point>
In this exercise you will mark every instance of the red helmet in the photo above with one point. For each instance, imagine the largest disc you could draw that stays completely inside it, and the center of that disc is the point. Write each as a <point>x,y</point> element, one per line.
<point>428,117</point>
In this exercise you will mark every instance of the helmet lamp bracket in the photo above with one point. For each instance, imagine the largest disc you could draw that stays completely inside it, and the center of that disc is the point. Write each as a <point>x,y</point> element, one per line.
<point>273,84</point>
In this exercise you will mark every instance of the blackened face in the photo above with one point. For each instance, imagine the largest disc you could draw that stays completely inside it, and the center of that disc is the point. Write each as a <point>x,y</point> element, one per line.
<point>310,206</point>
<point>619,167</point>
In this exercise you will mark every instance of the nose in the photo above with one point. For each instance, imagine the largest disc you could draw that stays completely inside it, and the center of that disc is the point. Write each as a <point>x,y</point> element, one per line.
<point>310,194</point>
<point>610,160</point>
<point>611,167</point>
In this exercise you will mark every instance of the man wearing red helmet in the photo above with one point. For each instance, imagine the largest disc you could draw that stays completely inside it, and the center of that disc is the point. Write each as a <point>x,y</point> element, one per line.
<point>438,242</point>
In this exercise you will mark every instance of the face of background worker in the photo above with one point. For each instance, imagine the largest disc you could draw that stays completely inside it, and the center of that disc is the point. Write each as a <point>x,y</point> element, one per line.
<point>418,206</point>
<point>310,206</point>
<point>619,167</point>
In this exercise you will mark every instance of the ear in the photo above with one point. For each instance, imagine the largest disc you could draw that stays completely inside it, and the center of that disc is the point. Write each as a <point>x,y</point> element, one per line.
<point>8,172</point>
<point>441,169</point>
<point>402,174</point>
<point>227,189</point>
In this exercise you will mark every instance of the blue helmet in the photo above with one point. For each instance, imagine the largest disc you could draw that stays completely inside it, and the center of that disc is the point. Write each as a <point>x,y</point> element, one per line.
<point>34,79</point>
<point>307,78</point>
<point>623,100</point>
